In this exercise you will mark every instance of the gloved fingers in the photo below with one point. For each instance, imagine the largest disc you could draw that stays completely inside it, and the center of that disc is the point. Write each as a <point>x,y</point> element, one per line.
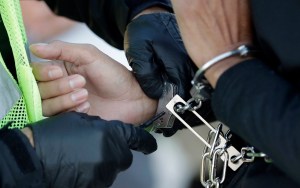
<point>136,138</point>
<point>178,67</point>
<point>151,83</point>
<point>156,54</point>
<point>169,23</point>
<point>182,83</point>
<point>141,140</point>
<point>81,150</point>
<point>141,55</point>
<point>147,71</point>
<point>77,100</point>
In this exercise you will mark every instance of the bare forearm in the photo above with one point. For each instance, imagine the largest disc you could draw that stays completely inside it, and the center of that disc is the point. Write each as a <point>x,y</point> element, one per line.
<point>207,33</point>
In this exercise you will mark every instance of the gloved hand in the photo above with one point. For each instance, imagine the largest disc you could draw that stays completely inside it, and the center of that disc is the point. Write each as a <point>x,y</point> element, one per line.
<point>78,150</point>
<point>156,54</point>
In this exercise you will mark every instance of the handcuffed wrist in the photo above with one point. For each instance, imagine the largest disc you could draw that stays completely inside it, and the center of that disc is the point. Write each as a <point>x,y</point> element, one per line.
<point>163,117</point>
<point>201,89</point>
<point>242,51</point>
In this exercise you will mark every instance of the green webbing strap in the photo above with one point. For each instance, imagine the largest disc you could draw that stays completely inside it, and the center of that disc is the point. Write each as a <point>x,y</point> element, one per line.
<point>11,15</point>
<point>17,116</point>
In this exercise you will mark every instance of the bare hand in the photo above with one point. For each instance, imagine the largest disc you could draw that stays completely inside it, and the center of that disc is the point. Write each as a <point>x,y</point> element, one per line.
<point>211,27</point>
<point>87,80</point>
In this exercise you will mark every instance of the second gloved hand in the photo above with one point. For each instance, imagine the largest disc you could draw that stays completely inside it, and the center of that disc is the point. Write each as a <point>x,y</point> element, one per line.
<point>156,54</point>
<point>78,150</point>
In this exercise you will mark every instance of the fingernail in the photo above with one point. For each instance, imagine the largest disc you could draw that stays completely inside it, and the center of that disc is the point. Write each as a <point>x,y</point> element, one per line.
<point>83,107</point>
<point>55,73</point>
<point>77,82</point>
<point>79,95</point>
<point>37,45</point>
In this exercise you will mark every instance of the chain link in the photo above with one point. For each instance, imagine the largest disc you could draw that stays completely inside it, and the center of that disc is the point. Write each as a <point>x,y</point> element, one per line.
<point>248,155</point>
<point>210,161</point>
<point>217,146</point>
<point>191,105</point>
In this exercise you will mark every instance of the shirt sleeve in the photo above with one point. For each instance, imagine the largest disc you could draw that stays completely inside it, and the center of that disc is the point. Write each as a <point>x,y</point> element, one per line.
<point>106,18</point>
<point>19,164</point>
<point>264,110</point>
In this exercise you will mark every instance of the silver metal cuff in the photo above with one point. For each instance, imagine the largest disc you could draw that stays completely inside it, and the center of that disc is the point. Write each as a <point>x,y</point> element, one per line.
<point>242,51</point>
<point>167,120</point>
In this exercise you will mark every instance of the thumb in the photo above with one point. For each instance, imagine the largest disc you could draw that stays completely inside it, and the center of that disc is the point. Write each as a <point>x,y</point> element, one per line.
<point>77,54</point>
<point>141,140</point>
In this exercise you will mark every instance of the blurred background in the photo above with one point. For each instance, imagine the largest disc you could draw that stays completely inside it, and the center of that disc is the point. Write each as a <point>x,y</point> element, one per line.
<point>176,163</point>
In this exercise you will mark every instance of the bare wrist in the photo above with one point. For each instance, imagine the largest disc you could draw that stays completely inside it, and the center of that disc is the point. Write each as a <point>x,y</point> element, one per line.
<point>215,72</point>
<point>28,133</point>
<point>215,67</point>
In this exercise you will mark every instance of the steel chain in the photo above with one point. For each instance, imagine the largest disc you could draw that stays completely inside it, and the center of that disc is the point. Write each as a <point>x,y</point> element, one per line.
<point>210,159</point>
<point>248,155</point>
<point>210,156</point>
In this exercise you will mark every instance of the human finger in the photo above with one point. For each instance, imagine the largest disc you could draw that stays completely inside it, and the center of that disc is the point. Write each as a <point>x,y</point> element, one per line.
<point>47,71</point>
<point>83,107</point>
<point>65,102</point>
<point>61,86</point>
<point>156,54</point>
<point>77,54</point>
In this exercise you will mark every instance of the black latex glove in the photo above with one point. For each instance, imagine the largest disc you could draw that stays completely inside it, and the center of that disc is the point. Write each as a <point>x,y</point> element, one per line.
<point>156,53</point>
<point>78,150</point>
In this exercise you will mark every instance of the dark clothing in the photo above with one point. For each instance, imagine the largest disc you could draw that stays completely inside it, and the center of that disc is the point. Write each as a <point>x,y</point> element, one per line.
<point>71,150</point>
<point>259,99</point>
<point>6,51</point>
<point>19,163</point>
<point>261,108</point>
<point>107,18</point>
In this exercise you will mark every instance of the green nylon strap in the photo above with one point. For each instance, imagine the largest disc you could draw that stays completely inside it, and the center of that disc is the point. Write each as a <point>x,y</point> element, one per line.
<point>17,116</point>
<point>12,18</point>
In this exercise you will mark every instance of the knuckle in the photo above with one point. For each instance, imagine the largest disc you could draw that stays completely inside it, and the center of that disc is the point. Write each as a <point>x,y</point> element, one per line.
<point>90,48</point>
<point>62,87</point>
<point>56,43</point>
<point>46,108</point>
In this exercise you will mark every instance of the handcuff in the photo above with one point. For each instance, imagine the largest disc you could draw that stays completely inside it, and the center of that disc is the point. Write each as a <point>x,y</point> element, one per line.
<point>200,91</point>
<point>217,145</point>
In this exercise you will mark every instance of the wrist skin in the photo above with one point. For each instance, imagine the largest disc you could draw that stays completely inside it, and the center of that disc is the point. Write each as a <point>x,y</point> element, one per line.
<point>214,73</point>
<point>28,133</point>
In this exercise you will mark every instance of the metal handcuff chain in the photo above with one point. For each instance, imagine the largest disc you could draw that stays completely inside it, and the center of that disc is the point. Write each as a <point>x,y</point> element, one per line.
<point>210,159</point>
<point>248,155</point>
<point>218,147</point>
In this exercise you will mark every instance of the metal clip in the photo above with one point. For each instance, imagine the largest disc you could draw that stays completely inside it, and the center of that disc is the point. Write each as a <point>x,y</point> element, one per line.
<point>201,91</point>
<point>248,155</point>
<point>167,119</point>
<point>231,150</point>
